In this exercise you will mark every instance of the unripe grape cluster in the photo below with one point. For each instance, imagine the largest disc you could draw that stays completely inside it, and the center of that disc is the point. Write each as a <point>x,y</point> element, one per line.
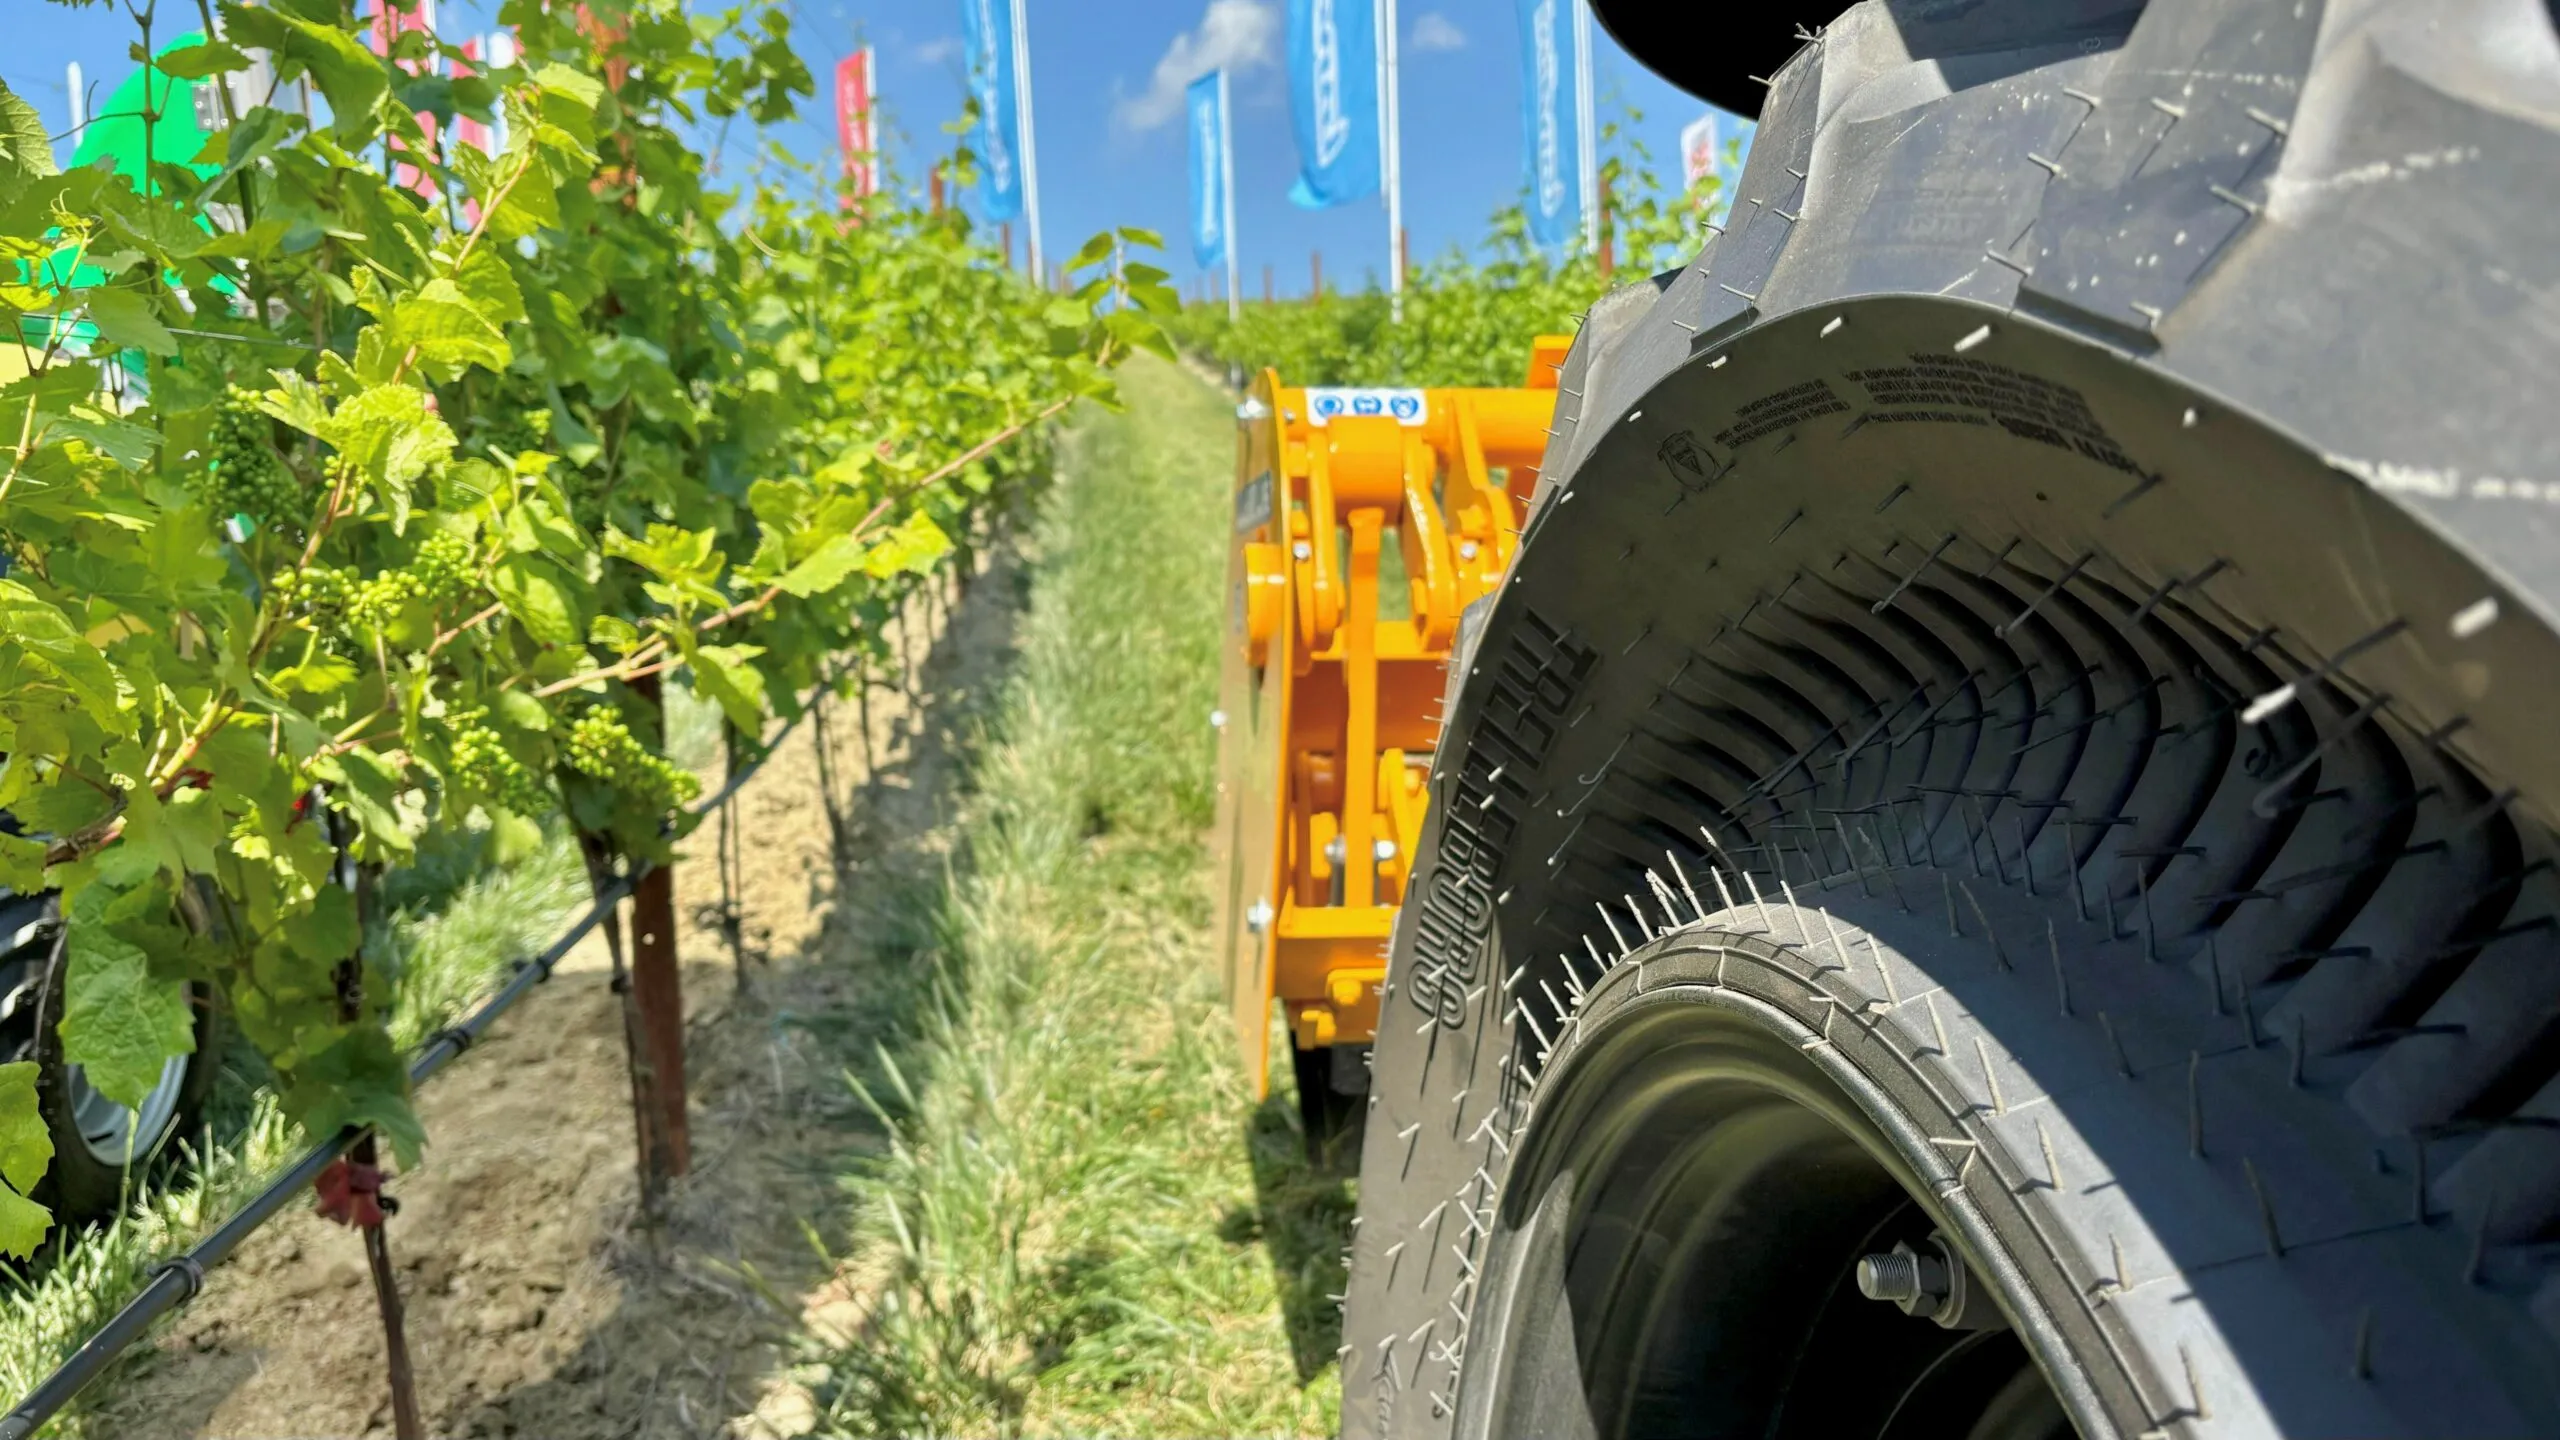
<point>602,747</point>
<point>246,476</point>
<point>441,573</point>
<point>318,586</point>
<point>482,765</point>
<point>442,568</point>
<point>514,429</point>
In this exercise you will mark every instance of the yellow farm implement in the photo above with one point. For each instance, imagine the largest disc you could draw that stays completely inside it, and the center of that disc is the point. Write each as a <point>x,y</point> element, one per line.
<point>1365,523</point>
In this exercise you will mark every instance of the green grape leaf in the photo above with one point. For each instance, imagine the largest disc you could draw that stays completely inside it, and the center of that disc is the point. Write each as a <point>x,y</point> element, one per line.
<point>522,711</point>
<point>779,505</point>
<point>390,435</point>
<point>127,444</point>
<point>155,226</point>
<point>541,597</point>
<point>23,1224</point>
<point>826,567</point>
<point>914,548</point>
<point>297,402</point>
<point>182,553</point>
<point>1140,235</point>
<point>26,1144</point>
<point>325,933</point>
<point>199,60</point>
<point>670,553</point>
<point>530,204</point>
<point>586,91</point>
<point>39,647</point>
<point>446,329</point>
<point>25,153</point>
<point>21,863</point>
<point>1156,299</point>
<point>251,140</point>
<point>180,834</point>
<point>321,675</point>
<point>723,673</point>
<point>357,1080</point>
<point>124,318</point>
<point>351,77</point>
<point>372,795</point>
<point>120,1024</point>
<point>537,527</point>
<point>614,633</point>
<point>1094,252</point>
<point>490,287</point>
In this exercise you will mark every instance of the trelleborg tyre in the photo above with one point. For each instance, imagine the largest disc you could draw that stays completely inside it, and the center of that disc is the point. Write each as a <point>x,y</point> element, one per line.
<point>2021,730</point>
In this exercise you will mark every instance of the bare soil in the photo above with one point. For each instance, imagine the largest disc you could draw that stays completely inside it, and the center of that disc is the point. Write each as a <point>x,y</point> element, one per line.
<point>538,1304</point>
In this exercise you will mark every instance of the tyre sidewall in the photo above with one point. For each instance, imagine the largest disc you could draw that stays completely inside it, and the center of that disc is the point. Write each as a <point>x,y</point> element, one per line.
<point>1883,1100</point>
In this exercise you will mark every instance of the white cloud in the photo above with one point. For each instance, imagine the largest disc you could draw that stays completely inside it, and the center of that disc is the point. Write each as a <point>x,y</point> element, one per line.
<point>1435,31</point>
<point>939,50</point>
<point>1240,35</point>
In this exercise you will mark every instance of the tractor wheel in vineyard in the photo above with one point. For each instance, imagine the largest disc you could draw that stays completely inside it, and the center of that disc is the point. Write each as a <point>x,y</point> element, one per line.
<point>1991,871</point>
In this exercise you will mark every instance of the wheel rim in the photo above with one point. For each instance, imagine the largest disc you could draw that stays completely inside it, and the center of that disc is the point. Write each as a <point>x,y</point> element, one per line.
<point>121,1135</point>
<point>1675,1257</point>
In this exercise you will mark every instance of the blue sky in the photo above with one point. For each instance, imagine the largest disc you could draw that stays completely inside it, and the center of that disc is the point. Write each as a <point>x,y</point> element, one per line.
<point>1108,77</point>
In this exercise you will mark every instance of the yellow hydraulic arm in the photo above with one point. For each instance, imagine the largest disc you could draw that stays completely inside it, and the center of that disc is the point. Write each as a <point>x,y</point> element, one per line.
<point>1364,522</point>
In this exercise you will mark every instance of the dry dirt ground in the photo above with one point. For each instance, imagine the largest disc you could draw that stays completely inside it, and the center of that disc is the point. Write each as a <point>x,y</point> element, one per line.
<point>538,1304</point>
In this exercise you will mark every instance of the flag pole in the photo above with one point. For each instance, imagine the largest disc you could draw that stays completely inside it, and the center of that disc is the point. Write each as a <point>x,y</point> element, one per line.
<point>870,128</point>
<point>1227,190</point>
<point>1585,126</point>
<point>1030,150</point>
<point>1394,137</point>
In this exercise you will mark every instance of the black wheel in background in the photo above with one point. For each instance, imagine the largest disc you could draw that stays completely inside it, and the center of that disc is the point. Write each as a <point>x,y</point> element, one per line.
<point>101,1149</point>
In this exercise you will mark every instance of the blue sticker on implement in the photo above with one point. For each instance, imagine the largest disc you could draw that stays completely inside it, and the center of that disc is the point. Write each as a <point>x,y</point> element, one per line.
<point>1406,407</point>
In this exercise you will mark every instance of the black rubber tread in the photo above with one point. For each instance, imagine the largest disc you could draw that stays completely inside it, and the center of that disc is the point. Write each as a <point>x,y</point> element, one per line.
<point>2172,995</point>
<point>2003,668</point>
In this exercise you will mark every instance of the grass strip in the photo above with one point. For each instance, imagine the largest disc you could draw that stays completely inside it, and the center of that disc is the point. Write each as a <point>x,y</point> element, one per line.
<point>1084,1223</point>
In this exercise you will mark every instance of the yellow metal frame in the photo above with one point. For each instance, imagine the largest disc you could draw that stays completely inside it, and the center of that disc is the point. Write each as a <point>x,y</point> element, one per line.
<point>1329,707</point>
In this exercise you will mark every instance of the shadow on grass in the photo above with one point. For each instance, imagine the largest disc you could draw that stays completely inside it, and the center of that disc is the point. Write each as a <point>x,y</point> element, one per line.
<point>1302,1215</point>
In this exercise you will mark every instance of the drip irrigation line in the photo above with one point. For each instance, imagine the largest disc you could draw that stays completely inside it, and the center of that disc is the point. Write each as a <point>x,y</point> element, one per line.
<point>176,1281</point>
<point>180,1279</point>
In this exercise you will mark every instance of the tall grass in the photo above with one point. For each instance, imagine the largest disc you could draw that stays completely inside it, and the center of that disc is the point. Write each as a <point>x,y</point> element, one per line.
<point>1084,1223</point>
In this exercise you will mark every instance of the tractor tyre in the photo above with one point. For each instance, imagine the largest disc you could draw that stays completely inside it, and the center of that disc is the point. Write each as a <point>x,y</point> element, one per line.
<point>1992,868</point>
<point>101,1150</point>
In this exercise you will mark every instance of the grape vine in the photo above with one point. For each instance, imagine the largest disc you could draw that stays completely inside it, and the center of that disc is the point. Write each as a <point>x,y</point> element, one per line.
<point>569,414</point>
<point>1470,321</point>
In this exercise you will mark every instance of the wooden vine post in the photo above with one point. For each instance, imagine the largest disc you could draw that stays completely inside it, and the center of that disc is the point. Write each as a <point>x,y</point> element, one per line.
<point>350,1189</point>
<point>650,988</point>
<point>657,1003</point>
